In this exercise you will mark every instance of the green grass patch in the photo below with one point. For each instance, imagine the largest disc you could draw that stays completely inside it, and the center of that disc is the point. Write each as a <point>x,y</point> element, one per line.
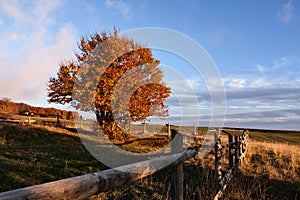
<point>33,155</point>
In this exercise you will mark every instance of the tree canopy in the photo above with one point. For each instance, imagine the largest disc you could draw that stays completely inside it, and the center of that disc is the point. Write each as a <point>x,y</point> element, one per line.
<point>114,77</point>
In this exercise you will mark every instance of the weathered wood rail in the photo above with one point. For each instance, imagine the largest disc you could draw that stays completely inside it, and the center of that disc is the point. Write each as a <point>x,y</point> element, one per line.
<point>85,186</point>
<point>237,146</point>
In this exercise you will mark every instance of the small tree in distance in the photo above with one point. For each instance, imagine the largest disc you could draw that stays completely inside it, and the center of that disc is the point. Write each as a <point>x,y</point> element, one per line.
<point>114,77</point>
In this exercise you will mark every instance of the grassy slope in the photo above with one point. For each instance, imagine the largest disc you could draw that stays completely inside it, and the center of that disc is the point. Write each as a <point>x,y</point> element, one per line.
<point>271,170</point>
<point>271,136</point>
<point>31,155</point>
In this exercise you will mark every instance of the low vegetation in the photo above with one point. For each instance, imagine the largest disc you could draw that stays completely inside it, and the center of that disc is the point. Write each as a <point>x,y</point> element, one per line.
<point>12,110</point>
<point>31,155</point>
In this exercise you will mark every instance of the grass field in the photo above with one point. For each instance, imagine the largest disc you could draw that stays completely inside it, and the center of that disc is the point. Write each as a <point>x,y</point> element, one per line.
<point>31,155</point>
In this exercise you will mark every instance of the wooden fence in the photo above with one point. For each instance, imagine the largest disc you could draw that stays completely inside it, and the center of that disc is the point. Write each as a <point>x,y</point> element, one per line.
<point>237,146</point>
<point>85,186</point>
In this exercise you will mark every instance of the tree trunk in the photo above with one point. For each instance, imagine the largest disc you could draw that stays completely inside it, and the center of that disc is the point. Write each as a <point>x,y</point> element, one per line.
<point>109,126</point>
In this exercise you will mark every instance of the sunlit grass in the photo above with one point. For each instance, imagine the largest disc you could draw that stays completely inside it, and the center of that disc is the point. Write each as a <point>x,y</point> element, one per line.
<point>31,155</point>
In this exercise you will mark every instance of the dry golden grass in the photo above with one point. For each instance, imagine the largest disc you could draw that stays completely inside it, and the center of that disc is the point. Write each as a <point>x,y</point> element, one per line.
<point>35,154</point>
<point>269,171</point>
<point>278,161</point>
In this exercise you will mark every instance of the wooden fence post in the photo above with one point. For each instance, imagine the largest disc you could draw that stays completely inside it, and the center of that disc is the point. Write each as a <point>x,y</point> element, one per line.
<point>218,166</point>
<point>246,139</point>
<point>85,186</point>
<point>230,153</point>
<point>169,130</point>
<point>240,146</point>
<point>243,143</point>
<point>57,120</point>
<point>177,172</point>
<point>236,149</point>
<point>144,127</point>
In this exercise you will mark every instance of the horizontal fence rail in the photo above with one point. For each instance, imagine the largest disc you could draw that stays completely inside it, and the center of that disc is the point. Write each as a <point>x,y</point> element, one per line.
<point>85,186</point>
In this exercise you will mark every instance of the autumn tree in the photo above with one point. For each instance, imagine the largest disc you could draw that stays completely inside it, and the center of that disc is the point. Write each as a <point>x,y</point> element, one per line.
<point>7,106</point>
<point>114,77</point>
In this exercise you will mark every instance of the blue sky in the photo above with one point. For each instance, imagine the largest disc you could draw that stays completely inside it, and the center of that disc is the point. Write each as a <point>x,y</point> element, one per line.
<point>254,44</point>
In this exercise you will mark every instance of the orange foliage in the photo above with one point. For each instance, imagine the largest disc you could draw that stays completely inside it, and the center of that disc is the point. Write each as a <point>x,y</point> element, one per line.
<point>114,77</point>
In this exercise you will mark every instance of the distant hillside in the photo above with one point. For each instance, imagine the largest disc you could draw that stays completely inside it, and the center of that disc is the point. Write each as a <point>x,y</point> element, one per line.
<point>8,107</point>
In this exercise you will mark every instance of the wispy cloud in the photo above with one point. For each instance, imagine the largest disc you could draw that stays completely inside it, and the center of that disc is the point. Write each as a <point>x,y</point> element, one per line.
<point>282,62</point>
<point>265,94</point>
<point>237,83</point>
<point>260,68</point>
<point>286,12</point>
<point>30,49</point>
<point>43,8</point>
<point>269,100</point>
<point>267,97</point>
<point>270,119</point>
<point>35,62</point>
<point>118,5</point>
<point>12,8</point>
<point>30,12</point>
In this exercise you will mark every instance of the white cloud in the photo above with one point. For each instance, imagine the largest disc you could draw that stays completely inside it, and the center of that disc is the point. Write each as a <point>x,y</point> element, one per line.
<point>278,64</point>
<point>193,83</point>
<point>282,62</point>
<point>33,12</point>
<point>282,73</point>
<point>259,83</point>
<point>119,5</point>
<point>261,68</point>
<point>26,72</point>
<point>265,107</point>
<point>239,107</point>
<point>267,119</point>
<point>255,99</point>
<point>30,55</point>
<point>1,22</point>
<point>266,97</point>
<point>12,37</point>
<point>286,12</point>
<point>43,8</point>
<point>237,83</point>
<point>11,7</point>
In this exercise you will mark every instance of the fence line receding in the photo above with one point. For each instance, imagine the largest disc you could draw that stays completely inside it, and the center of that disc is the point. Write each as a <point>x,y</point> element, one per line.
<point>85,186</point>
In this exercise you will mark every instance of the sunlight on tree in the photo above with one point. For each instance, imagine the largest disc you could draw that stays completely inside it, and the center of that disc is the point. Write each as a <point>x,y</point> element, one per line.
<point>128,86</point>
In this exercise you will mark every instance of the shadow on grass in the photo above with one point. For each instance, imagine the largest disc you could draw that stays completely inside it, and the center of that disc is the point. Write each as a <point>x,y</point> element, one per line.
<point>261,187</point>
<point>199,184</point>
<point>156,138</point>
<point>32,155</point>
